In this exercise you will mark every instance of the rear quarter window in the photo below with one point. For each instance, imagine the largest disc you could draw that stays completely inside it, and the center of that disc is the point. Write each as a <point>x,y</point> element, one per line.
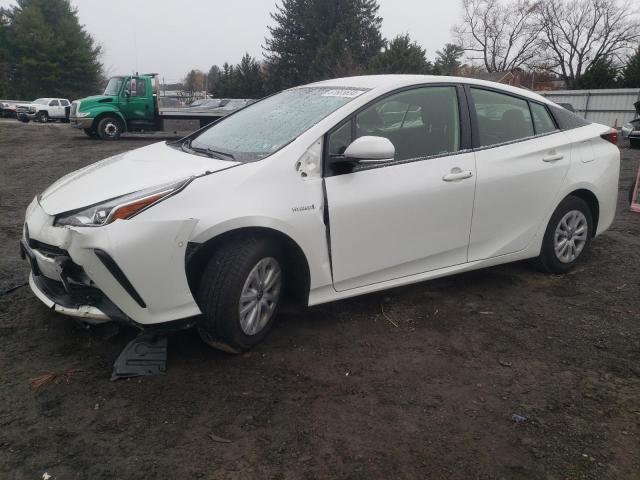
<point>567,120</point>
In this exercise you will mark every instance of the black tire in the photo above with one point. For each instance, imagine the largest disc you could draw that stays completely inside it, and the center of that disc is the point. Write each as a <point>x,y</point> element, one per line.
<point>24,119</point>
<point>634,143</point>
<point>109,128</point>
<point>42,117</point>
<point>219,292</point>
<point>548,260</point>
<point>90,133</point>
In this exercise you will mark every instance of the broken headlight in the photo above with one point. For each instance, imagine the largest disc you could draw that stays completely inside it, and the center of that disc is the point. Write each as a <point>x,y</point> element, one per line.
<point>123,207</point>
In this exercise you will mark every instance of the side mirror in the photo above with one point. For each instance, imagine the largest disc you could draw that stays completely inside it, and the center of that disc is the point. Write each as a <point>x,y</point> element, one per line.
<point>127,92</point>
<point>370,149</point>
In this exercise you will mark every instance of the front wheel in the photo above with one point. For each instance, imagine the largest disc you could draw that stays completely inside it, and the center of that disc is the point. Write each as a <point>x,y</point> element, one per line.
<point>43,117</point>
<point>567,237</point>
<point>90,133</point>
<point>109,128</point>
<point>239,294</point>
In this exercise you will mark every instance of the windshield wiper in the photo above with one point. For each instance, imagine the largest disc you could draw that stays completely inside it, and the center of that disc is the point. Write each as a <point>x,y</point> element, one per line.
<point>210,152</point>
<point>220,154</point>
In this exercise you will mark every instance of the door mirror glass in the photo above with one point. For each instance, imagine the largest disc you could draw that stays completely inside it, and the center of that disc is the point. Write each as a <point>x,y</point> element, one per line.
<point>127,92</point>
<point>370,149</point>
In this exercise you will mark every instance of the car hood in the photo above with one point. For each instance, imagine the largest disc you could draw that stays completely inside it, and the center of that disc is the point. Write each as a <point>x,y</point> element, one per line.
<point>129,172</point>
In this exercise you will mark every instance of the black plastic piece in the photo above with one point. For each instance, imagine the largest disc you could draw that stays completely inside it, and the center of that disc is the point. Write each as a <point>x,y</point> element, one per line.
<point>144,355</point>
<point>119,275</point>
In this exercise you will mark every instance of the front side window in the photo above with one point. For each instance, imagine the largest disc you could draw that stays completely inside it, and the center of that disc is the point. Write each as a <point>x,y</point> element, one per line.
<point>138,87</point>
<point>542,119</point>
<point>54,103</point>
<point>501,118</point>
<point>264,127</point>
<point>420,123</point>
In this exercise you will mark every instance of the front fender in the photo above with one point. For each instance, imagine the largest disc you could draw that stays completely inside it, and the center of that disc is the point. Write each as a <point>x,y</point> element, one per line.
<point>312,245</point>
<point>100,112</point>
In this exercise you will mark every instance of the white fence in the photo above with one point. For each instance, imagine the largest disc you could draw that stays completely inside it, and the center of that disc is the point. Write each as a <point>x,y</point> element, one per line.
<point>604,106</point>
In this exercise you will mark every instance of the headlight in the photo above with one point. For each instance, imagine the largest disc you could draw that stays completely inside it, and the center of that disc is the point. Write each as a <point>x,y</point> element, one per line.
<point>122,207</point>
<point>83,114</point>
<point>32,109</point>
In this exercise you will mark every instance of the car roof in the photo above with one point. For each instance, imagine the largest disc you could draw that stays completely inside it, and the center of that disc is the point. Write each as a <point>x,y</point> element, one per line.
<point>384,83</point>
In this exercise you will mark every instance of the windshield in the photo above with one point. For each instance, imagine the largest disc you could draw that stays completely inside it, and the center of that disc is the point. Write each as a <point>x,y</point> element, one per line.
<point>113,87</point>
<point>263,128</point>
<point>42,101</point>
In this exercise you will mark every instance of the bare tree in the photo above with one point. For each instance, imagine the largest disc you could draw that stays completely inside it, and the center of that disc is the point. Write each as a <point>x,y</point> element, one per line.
<point>502,35</point>
<point>577,34</point>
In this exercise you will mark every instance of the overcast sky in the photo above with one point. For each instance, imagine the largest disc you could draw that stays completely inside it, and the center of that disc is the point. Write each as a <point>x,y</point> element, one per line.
<point>171,37</point>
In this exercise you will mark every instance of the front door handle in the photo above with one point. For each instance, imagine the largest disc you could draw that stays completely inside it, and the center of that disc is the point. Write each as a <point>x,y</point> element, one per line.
<point>457,174</point>
<point>553,157</point>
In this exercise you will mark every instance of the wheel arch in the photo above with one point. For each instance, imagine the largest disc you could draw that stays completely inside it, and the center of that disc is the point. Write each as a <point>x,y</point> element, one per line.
<point>109,113</point>
<point>592,201</point>
<point>296,263</point>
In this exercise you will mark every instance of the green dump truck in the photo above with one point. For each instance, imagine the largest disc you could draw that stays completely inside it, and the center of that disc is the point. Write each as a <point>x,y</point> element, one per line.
<point>129,103</point>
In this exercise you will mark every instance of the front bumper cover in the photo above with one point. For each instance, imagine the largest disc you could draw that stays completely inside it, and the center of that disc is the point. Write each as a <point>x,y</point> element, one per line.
<point>69,295</point>
<point>139,265</point>
<point>85,123</point>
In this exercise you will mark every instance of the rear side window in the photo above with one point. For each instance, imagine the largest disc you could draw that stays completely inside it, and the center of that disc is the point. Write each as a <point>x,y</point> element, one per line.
<point>542,119</point>
<point>64,103</point>
<point>501,118</point>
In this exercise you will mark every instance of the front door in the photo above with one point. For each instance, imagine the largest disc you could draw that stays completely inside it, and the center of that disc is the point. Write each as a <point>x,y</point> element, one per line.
<point>409,215</point>
<point>137,105</point>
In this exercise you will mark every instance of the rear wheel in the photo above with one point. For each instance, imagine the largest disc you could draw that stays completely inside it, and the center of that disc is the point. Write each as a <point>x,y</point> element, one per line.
<point>567,237</point>
<point>239,294</point>
<point>42,117</point>
<point>109,128</point>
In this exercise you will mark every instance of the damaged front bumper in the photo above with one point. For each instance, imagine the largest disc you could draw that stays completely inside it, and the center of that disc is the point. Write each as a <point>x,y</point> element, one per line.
<point>130,271</point>
<point>72,294</point>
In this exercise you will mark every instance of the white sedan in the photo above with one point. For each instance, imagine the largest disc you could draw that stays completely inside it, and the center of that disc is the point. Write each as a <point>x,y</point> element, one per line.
<point>322,192</point>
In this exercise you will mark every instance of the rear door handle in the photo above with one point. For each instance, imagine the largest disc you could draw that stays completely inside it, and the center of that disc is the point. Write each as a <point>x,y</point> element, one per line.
<point>457,174</point>
<point>553,157</point>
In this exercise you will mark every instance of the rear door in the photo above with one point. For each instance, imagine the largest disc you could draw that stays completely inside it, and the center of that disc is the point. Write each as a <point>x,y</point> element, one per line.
<point>412,214</point>
<point>521,159</point>
<point>54,108</point>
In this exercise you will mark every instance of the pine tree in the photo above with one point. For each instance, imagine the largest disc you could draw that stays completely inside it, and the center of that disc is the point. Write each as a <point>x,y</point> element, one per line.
<point>248,81</point>
<point>49,52</point>
<point>401,56</point>
<point>631,71</point>
<point>317,39</point>
<point>448,60</point>
<point>4,52</point>
<point>600,74</point>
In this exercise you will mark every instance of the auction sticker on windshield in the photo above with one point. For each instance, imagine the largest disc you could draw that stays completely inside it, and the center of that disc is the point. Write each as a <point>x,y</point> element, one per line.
<point>347,93</point>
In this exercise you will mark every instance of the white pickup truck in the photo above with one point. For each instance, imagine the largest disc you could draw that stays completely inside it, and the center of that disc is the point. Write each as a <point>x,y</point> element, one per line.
<point>44,109</point>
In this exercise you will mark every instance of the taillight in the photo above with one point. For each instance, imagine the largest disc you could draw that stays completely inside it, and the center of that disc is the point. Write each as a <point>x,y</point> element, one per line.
<point>611,136</point>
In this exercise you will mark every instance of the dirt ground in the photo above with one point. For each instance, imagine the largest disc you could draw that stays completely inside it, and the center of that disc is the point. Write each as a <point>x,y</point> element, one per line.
<point>417,382</point>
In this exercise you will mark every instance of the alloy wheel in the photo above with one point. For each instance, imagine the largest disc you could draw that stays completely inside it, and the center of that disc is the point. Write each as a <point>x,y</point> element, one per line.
<point>570,236</point>
<point>260,295</point>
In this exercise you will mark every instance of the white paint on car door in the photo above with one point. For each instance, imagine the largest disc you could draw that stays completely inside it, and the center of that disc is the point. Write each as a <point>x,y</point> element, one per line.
<point>517,183</point>
<point>406,218</point>
<point>395,221</point>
